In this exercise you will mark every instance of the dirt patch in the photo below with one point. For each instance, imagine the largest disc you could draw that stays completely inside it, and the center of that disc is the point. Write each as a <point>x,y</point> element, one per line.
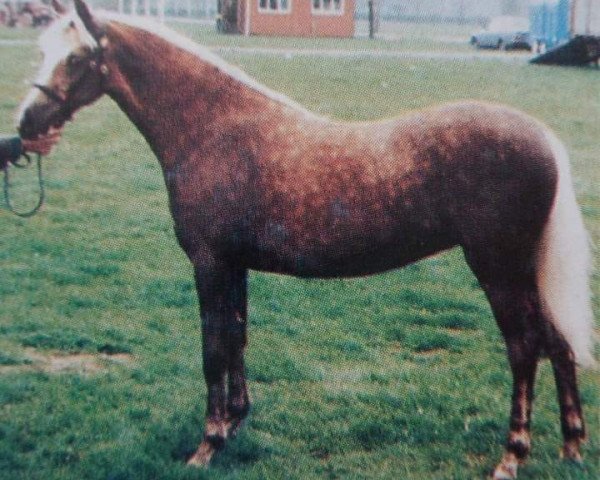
<point>430,353</point>
<point>82,363</point>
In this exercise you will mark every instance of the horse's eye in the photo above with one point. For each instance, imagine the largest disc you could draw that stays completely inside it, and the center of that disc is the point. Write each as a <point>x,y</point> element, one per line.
<point>73,60</point>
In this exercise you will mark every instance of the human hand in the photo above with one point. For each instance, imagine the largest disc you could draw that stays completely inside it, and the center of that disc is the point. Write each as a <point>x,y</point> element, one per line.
<point>43,144</point>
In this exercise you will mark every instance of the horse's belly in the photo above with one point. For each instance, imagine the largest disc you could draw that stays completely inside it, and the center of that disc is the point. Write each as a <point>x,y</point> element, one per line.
<point>364,254</point>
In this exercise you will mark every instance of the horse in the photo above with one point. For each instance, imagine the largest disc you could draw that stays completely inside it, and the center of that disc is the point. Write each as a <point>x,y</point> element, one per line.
<point>257,182</point>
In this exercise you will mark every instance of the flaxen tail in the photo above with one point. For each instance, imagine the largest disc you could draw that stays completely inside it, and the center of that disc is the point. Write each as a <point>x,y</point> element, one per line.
<point>564,266</point>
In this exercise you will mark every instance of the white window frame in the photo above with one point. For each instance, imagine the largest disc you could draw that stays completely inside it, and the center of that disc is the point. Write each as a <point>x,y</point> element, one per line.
<point>322,11</point>
<point>278,11</point>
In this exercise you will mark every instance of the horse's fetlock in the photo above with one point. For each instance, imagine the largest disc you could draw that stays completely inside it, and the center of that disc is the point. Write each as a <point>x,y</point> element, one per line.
<point>519,443</point>
<point>520,449</point>
<point>216,441</point>
<point>575,434</point>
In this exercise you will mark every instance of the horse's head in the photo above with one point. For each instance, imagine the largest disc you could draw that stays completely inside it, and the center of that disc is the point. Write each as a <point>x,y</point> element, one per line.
<point>72,74</point>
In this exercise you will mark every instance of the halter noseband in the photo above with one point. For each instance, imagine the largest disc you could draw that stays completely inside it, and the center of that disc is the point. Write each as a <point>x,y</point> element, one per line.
<point>51,94</point>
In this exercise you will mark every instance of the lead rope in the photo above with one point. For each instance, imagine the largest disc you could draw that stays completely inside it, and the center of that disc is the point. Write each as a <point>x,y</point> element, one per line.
<point>42,194</point>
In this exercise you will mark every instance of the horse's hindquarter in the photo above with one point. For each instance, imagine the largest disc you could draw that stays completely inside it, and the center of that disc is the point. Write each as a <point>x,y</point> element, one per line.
<point>352,199</point>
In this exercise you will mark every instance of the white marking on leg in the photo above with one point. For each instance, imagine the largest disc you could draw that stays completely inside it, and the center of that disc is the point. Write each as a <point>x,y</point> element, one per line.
<point>507,469</point>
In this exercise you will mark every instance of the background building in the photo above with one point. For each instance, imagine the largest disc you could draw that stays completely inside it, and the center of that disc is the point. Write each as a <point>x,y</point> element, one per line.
<point>298,18</point>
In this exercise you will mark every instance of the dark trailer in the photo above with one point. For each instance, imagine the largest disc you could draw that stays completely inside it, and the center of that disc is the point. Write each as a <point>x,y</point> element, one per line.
<point>566,32</point>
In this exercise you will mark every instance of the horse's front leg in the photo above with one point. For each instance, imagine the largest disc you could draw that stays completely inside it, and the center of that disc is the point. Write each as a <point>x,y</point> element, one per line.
<point>222,295</point>
<point>238,402</point>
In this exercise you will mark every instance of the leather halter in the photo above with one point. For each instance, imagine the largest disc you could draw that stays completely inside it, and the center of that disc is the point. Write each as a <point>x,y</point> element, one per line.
<point>51,94</point>
<point>95,64</point>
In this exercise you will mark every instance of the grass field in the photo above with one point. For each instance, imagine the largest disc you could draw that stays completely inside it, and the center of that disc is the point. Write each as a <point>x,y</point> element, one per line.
<point>402,375</point>
<point>394,36</point>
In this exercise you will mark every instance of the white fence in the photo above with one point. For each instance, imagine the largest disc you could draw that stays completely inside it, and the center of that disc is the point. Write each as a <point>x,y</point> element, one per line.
<point>192,9</point>
<point>457,10</point>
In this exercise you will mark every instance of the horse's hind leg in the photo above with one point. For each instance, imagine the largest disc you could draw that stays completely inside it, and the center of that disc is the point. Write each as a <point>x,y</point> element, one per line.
<point>222,295</point>
<point>571,417</point>
<point>515,303</point>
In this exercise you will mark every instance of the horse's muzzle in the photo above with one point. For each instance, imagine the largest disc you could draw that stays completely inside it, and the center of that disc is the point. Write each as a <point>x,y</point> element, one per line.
<point>28,127</point>
<point>40,117</point>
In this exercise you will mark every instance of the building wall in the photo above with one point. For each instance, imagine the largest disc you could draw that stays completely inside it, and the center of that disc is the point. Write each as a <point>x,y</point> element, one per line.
<point>299,21</point>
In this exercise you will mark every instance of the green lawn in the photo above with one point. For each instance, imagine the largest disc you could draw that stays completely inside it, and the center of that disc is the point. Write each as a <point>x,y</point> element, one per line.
<point>403,37</point>
<point>402,375</point>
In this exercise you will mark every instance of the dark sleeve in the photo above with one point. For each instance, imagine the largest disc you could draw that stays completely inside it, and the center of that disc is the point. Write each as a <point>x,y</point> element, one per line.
<point>10,148</point>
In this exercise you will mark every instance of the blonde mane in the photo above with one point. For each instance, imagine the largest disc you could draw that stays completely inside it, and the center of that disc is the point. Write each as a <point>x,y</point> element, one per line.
<point>67,34</point>
<point>203,53</point>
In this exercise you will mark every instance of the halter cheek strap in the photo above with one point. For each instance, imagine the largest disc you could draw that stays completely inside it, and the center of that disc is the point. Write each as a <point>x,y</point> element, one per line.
<point>94,64</point>
<point>51,94</point>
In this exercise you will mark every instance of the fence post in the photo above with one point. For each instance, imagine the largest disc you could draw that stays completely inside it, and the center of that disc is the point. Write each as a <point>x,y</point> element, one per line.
<point>371,19</point>
<point>161,11</point>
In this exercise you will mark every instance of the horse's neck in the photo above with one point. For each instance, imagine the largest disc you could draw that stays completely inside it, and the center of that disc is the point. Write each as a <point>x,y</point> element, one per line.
<point>171,95</point>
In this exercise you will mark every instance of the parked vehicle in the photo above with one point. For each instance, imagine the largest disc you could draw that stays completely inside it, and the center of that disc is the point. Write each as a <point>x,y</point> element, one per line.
<point>504,33</point>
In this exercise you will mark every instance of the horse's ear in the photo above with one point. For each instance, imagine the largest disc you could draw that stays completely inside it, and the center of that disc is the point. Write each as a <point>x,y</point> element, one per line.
<point>58,7</point>
<point>88,20</point>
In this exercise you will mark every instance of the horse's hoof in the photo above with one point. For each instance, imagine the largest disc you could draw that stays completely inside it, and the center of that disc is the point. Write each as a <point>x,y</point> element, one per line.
<point>507,469</point>
<point>203,455</point>
<point>570,452</point>
<point>503,473</point>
